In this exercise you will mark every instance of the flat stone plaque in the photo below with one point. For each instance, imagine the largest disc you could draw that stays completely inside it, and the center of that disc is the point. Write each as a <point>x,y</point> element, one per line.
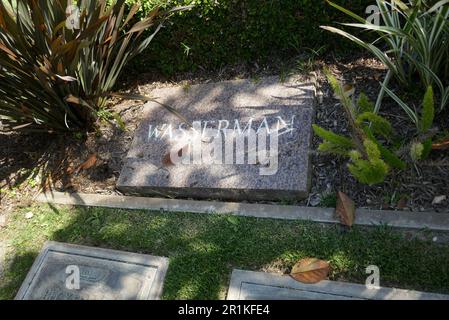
<point>72,272</point>
<point>249,285</point>
<point>232,109</point>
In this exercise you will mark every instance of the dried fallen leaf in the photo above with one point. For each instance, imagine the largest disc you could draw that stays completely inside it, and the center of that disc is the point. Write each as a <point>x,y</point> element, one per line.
<point>70,170</point>
<point>310,270</point>
<point>89,163</point>
<point>345,209</point>
<point>441,145</point>
<point>349,89</point>
<point>402,203</point>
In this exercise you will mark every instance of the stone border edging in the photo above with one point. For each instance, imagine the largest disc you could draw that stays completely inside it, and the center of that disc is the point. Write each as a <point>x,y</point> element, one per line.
<point>365,217</point>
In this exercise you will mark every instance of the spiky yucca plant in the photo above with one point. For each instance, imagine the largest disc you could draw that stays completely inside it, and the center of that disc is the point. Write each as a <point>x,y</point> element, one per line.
<point>413,41</point>
<point>53,78</point>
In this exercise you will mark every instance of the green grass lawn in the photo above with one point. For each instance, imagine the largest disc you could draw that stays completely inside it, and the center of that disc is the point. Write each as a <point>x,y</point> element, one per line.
<point>203,249</point>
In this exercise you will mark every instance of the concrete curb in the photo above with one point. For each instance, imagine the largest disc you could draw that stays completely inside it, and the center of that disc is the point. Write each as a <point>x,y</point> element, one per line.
<point>401,219</point>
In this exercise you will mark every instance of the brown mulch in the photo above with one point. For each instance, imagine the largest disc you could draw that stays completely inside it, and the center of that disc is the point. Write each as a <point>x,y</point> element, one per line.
<point>413,189</point>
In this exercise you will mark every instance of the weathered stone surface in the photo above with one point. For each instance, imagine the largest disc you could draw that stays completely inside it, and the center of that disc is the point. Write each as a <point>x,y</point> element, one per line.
<point>103,275</point>
<point>249,285</point>
<point>286,108</point>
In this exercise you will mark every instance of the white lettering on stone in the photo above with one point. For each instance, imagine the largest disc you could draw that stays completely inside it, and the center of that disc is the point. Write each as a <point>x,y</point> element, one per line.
<point>168,131</point>
<point>221,127</point>
<point>247,127</point>
<point>155,132</point>
<point>286,126</point>
<point>181,132</point>
<point>264,126</point>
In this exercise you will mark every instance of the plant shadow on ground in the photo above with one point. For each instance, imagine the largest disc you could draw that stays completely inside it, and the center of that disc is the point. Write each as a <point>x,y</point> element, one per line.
<point>30,163</point>
<point>203,249</point>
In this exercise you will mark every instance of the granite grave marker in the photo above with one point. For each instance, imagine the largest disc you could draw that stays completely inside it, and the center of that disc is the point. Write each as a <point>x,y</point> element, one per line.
<point>225,112</point>
<point>72,272</point>
<point>250,285</point>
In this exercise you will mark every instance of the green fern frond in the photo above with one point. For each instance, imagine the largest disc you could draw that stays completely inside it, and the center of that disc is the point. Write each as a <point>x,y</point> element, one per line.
<point>332,148</point>
<point>370,171</point>
<point>364,104</point>
<point>371,149</point>
<point>336,139</point>
<point>379,125</point>
<point>389,157</point>
<point>340,92</point>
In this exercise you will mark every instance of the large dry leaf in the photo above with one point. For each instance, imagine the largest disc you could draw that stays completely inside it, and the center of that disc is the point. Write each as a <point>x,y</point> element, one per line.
<point>310,270</point>
<point>89,163</point>
<point>402,203</point>
<point>441,145</point>
<point>70,170</point>
<point>345,209</point>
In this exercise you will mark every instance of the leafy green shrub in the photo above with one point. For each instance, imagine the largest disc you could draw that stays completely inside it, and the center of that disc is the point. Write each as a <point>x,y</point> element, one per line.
<point>57,79</point>
<point>416,35</point>
<point>370,160</point>
<point>216,33</point>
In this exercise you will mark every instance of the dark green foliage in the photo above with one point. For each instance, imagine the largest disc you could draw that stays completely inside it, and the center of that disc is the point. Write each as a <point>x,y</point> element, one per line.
<point>388,155</point>
<point>413,42</point>
<point>372,170</point>
<point>421,150</point>
<point>216,33</point>
<point>379,125</point>
<point>428,110</point>
<point>54,78</point>
<point>364,104</point>
<point>328,200</point>
<point>332,137</point>
<point>421,146</point>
